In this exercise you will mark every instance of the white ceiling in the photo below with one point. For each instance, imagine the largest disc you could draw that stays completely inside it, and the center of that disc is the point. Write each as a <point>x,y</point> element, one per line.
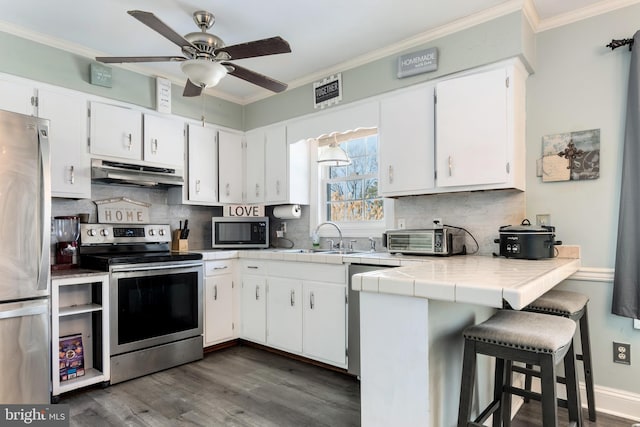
<point>325,36</point>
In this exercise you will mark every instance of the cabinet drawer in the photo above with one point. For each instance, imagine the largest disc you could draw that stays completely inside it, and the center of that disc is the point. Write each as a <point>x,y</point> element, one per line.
<point>253,267</point>
<point>215,268</point>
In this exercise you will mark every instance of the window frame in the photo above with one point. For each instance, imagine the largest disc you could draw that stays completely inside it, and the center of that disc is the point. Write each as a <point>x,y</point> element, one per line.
<point>318,206</point>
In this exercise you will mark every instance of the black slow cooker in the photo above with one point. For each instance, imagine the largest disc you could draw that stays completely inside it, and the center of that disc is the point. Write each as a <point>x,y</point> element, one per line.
<point>526,241</point>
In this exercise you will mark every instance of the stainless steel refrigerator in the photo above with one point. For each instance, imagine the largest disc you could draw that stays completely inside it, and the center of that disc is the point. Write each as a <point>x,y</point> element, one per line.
<point>25,233</point>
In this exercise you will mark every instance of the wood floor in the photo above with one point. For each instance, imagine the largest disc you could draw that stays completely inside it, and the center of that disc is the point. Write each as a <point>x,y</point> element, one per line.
<point>244,386</point>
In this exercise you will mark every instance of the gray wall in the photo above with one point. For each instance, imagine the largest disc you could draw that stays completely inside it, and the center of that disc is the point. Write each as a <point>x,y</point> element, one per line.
<point>580,84</point>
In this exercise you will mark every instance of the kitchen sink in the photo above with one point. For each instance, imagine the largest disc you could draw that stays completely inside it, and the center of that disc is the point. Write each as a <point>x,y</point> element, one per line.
<point>321,251</point>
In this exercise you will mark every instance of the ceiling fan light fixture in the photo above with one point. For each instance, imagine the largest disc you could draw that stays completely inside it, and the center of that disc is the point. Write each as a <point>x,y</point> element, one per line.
<point>202,72</point>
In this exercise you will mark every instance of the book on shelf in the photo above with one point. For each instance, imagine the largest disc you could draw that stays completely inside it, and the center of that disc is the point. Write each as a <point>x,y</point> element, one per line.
<point>71,357</point>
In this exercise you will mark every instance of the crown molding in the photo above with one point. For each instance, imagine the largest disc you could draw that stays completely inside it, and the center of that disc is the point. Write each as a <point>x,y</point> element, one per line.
<point>603,6</point>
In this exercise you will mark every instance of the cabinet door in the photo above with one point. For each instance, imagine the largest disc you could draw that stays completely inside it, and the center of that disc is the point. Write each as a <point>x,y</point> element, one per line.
<point>255,166</point>
<point>230,173</point>
<point>471,129</point>
<point>254,309</point>
<point>284,314</point>
<point>218,315</point>
<point>203,164</point>
<point>16,97</point>
<point>70,162</point>
<point>407,143</point>
<point>324,322</point>
<point>116,131</point>
<point>163,140</point>
<point>276,165</point>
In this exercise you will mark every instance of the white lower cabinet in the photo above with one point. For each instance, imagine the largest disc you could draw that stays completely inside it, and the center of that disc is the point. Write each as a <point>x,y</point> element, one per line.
<point>284,314</point>
<point>303,311</point>
<point>219,323</point>
<point>79,307</point>
<point>324,325</point>
<point>254,302</point>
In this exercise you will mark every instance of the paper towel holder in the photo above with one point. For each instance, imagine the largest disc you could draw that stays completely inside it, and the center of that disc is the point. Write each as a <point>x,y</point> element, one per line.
<point>287,212</point>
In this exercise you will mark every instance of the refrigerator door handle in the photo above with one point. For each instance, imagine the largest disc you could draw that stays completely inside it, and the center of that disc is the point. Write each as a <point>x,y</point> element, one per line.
<point>31,308</point>
<point>45,210</point>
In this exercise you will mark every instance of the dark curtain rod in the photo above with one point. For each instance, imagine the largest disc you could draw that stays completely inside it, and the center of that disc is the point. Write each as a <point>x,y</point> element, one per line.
<point>620,42</point>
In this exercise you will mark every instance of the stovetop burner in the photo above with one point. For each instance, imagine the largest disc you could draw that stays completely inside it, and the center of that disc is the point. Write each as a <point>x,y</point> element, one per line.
<point>104,245</point>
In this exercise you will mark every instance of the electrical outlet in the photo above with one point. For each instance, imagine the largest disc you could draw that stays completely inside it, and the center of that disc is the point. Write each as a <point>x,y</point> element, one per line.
<point>543,219</point>
<point>283,227</point>
<point>622,353</point>
<point>437,222</point>
<point>400,223</point>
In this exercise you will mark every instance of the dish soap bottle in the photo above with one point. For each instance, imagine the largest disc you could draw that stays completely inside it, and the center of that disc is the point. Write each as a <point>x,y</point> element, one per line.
<point>315,240</point>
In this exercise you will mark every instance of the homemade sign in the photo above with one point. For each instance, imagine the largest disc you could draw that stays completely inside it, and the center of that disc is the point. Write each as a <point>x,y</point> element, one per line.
<point>243,210</point>
<point>122,210</point>
<point>100,75</point>
<point>328,91</point>
<point>419,62</point>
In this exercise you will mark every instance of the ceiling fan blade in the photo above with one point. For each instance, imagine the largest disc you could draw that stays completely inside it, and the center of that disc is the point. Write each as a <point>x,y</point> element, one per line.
<point>120,59</point>
<point>191,89</point>
<point>152,21</point>
<point>270,46</point>
<point>255,78</point>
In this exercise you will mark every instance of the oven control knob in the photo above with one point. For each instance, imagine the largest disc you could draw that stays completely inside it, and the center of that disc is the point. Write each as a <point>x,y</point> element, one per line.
<point>104,232</point>
<point>152,232</point>
<point>161,232</point>
<point>91,232</point>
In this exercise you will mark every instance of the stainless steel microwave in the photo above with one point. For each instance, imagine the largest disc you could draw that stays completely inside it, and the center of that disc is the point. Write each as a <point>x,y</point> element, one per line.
<point>240,232</point>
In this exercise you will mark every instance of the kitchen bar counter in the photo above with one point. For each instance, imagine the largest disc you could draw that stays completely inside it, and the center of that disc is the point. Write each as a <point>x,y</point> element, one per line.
<point>411,323</point>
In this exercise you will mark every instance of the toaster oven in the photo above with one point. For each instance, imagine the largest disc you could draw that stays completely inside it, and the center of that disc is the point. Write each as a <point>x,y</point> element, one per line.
<point>433,241</point>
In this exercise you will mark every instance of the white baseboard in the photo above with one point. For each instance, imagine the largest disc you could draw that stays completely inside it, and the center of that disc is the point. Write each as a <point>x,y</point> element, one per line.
<point>619,403</point>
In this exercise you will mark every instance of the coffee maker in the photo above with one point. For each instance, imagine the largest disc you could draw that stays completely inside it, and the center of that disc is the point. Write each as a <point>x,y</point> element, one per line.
<point>67,231</point>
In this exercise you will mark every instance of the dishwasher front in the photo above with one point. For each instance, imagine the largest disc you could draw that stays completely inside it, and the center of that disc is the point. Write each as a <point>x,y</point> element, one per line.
<point>353,341</point>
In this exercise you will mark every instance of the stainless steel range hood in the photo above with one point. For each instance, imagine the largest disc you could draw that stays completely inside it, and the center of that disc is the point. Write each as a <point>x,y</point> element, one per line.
<point>106,171</point>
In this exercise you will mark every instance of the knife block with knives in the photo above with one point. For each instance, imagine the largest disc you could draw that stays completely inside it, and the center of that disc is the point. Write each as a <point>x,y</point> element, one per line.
<point>179,240</point>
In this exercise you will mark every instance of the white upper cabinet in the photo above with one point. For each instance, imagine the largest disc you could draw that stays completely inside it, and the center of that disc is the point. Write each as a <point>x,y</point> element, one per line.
<point>163,140</point>
<point>17,97</point>
<point>202,184</point>
<point>255,166</point>
<point>116,131</point>
<point>281,170</point>
<point>70,162</point>
<point>230,166</point>
<point>480,130</point>
<point>407,142</point>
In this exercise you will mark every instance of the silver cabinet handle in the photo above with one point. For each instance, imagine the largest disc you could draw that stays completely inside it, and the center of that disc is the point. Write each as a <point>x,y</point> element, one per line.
<point>311,300</point>
<point>154,145</point>
<point>278,187</point>
<point>257,190</point>
<point>257,292</point>
<point>221,268</point>
<point>254,267</point>
<point>390,174</point>
<point>450,165</point>
<point>215,292</point>
<point>197,186</point>
<point>228,189</point>
<point>293,297</point>
<point>130,138</point>
<point>72,175</point>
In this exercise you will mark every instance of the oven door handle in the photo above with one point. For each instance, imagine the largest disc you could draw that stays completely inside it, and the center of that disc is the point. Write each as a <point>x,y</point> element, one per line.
<point>156,267</point>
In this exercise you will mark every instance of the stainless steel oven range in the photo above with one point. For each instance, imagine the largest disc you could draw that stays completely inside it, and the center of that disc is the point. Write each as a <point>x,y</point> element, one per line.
<point>155,316</point>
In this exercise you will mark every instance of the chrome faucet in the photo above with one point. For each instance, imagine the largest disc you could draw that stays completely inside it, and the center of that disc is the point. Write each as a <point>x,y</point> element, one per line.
<point>337,228</point>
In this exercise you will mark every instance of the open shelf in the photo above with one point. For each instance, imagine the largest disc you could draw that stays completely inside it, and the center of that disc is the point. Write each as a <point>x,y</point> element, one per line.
<point>79,309</point>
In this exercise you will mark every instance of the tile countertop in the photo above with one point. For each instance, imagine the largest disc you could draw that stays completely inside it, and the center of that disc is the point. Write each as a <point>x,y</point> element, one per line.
<point>471,279</point>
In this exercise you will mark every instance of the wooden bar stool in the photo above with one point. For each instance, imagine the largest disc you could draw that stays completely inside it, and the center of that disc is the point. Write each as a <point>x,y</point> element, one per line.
<point>517,336</point>
<point>572,305</point>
